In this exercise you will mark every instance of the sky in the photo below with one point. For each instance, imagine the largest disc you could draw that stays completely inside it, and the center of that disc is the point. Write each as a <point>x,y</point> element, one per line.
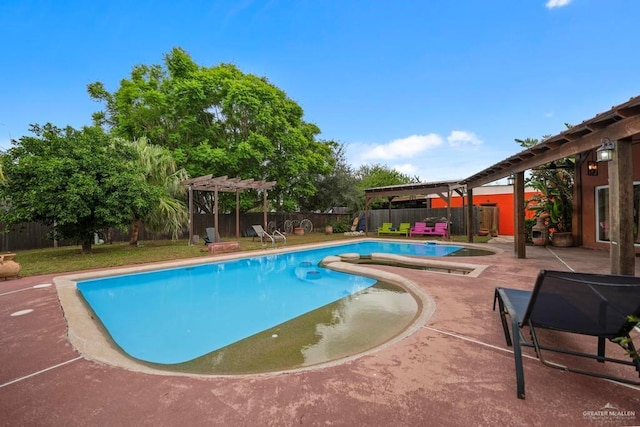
<point>438,90</point>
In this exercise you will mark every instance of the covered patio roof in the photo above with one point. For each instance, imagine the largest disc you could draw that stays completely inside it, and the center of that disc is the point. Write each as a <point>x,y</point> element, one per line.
<point>228,185</point>
<point>620,122</point>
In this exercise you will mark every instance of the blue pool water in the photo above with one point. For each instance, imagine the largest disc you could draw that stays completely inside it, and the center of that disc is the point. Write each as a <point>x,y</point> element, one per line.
<point>175,315</point>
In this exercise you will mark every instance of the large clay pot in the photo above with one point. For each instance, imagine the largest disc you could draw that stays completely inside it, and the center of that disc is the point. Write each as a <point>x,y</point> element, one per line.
<point>298,231</point>
<point>328,229</point>
<point>8,267</point>
<point>562,239</point>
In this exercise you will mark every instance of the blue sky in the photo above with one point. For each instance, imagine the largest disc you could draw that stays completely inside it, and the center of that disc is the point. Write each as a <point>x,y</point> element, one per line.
<point>435,89</point>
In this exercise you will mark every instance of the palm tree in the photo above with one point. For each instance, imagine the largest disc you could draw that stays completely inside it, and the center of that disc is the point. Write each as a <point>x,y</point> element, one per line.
<point>171,213</point>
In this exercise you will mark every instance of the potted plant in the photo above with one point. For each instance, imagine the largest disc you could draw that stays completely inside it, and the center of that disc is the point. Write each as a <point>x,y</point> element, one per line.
<point>554,203</point>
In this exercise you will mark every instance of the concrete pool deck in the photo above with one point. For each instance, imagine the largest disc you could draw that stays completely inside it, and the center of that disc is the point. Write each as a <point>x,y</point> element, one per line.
<point>454,370</point>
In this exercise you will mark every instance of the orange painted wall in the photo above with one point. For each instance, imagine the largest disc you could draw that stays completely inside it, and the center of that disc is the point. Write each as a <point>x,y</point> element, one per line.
<point>503,201</point>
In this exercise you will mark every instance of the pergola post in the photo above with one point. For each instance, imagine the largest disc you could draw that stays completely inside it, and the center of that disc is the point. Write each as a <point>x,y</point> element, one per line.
<point>264,209</point>
<point>519,230</point>
<point>470,215</point>
<point>237,214</point>
<point>449,214</point>
<point>190,215</point>
<point>622,251</point>
<point>215,211</point>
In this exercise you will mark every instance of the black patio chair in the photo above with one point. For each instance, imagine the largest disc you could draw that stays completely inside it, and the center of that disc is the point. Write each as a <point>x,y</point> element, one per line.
<point>596,305</point>
<point>212,236</point>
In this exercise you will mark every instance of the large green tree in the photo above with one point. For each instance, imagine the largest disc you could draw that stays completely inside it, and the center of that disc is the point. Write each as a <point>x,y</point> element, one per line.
<point>220,121</point>
<point>77,181</point>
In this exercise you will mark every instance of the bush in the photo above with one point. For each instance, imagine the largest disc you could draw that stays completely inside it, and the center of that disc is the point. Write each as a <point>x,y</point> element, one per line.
<point>340,226</point>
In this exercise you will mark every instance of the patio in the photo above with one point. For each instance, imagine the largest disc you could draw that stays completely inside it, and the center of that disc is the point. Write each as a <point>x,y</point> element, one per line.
<point>455,370</point>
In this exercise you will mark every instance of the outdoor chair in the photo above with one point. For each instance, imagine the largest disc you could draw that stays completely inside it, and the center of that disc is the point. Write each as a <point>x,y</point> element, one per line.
<point>418,229</point>
<point>403,228</point>
<point>595,305</point>
<point>275,237</point>
<point>212,236</point>
<point>439,229</point>
<point>387,228</point>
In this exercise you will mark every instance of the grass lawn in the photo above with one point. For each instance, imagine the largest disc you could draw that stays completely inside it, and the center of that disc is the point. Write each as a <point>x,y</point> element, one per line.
<point>70,258</point>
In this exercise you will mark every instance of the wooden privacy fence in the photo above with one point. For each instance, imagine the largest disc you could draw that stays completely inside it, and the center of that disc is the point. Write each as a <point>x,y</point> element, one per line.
<point>34,236</point>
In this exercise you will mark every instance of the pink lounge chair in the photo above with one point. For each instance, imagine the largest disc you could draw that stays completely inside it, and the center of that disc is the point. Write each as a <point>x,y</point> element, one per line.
<point>418,229</point>
<point>440,229</point>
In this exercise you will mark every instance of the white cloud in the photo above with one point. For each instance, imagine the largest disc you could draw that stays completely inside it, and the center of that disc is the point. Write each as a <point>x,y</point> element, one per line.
<point>402,148</point>
<point>461,139</point>
<point>557,3</point>
<point>407,169</point>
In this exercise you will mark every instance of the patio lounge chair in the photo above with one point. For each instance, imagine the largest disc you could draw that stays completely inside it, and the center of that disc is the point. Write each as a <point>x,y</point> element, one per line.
<point>418,229</point>
<point>264,236</point>
<point>594,305</point>
<point>439,229</point>
<point>403,228</point>
<point>212,236</point>
<point>387,228</point>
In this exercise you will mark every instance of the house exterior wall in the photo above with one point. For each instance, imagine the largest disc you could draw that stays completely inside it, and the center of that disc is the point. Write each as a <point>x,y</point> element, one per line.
<point>498,195</point>
<point>588,198</point>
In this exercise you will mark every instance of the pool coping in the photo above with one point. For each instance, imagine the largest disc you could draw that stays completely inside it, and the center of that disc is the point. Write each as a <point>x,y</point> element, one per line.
<point>91,341</point>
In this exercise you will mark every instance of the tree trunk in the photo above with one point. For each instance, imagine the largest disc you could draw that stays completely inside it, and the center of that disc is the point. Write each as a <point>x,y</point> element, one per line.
<point>134,232</point>
<point>86,246</point>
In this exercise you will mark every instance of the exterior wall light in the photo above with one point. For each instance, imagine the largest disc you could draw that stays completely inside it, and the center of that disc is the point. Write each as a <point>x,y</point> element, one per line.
<point>592,168</point>
<point>605,152</point>
<point>511,179</point>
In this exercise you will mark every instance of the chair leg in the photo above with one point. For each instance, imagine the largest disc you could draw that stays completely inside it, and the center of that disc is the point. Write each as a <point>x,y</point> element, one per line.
<point>503,317</point>
<point>634,355</point>
<point>601,349</point>
<point>517,355</point>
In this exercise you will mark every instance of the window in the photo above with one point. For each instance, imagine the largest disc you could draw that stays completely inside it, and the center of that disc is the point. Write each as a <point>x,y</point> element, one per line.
<point>602,213</point>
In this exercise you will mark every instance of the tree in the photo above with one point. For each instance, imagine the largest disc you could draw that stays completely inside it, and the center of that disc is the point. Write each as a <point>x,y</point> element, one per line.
<point>169,213</point>
<point>219,121</point>
<point>339,188</point>
<point>76,181</point>
<point>372,176</point>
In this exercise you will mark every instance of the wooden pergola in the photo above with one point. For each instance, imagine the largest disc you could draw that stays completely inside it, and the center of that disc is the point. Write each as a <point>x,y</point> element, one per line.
<point>444,189</point>
<point>226,185</point>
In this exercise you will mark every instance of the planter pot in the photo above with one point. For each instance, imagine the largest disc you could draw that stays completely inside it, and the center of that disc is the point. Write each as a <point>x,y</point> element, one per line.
<point>8,267</point>
<point>298,231</point>
<point>562,240</point>
<point>483,232</point>
<point>328,229</point>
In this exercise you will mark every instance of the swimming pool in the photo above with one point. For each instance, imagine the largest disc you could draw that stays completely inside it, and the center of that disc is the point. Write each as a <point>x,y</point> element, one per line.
<point>175,315</point>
